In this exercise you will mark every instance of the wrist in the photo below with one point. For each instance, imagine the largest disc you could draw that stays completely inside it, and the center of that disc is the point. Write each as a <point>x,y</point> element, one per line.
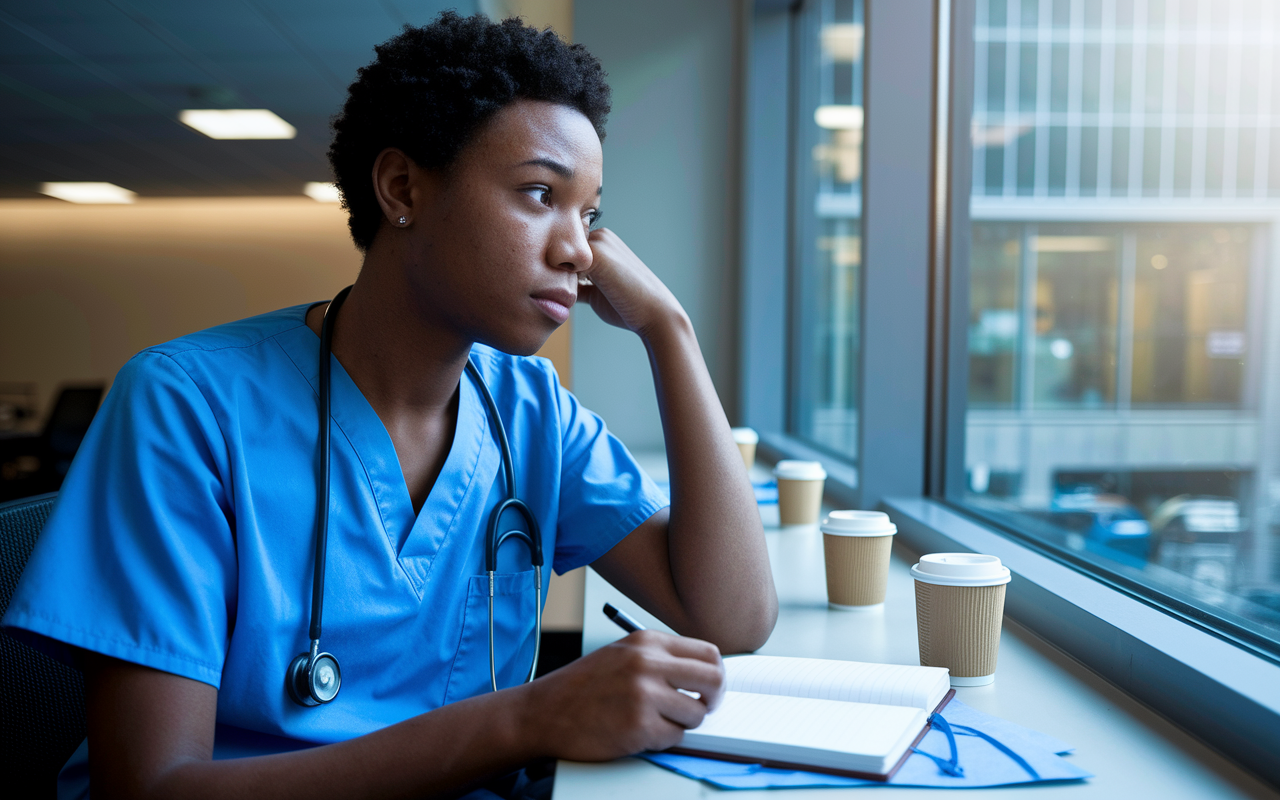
<point>669,323</point>
<point>526,723</point>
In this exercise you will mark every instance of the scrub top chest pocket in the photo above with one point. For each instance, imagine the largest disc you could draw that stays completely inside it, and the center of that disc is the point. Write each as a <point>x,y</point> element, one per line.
<point>514,613</point>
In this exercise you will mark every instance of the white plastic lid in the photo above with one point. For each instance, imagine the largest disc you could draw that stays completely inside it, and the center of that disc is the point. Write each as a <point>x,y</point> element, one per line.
<point>799,471</point>
<point>960,569</point>
<point>746,436</point>
<point>858,523</point>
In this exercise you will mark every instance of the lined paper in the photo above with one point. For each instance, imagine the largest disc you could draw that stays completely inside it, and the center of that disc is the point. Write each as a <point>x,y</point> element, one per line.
<point>849,681</point>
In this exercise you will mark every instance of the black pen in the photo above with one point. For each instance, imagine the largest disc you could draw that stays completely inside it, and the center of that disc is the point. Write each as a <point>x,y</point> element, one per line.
<point>622,619</point>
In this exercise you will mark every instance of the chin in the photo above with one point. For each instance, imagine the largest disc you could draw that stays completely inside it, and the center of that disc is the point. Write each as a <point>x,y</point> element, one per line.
<point>518,343</point>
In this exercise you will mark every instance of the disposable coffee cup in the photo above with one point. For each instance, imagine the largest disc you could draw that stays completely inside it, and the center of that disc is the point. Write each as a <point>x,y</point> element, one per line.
<point>959,608</point>
<point>746,439</point>
<point>856,546</point>
<point>799,491</point>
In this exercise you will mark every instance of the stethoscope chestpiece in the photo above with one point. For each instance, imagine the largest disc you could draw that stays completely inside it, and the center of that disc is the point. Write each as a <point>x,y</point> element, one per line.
<point>313,679</point>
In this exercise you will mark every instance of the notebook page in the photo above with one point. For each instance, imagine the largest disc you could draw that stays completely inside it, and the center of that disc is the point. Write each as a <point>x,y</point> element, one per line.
<point>851,681</point>
<point>821,733</point>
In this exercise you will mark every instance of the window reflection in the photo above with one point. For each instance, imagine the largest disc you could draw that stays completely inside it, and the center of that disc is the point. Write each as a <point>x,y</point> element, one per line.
<point>1076,294</point>
<point>828,226</point>
<point>995,317</point>
<point>1190,315</point>
<point>1124,329</point>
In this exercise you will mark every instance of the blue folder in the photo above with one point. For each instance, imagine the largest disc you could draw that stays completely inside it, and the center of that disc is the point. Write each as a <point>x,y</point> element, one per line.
<point>990,752</point>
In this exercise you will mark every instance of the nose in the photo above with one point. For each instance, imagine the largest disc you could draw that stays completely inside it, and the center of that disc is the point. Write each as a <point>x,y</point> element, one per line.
<point>569,248</point>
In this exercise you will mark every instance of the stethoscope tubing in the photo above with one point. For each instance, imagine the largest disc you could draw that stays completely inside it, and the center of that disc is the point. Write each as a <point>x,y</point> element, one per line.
<point>493,541</point>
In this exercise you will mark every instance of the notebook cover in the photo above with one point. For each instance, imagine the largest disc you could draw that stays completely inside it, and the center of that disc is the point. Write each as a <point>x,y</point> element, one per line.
<point>847,773</point>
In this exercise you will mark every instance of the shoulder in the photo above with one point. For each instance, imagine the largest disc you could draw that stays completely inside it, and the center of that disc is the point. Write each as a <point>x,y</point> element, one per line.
<point>211,367</point>
<point>238,335</point>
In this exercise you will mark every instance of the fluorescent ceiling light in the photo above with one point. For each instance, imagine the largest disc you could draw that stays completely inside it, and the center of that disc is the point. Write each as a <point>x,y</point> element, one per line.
<point>842,42</point>
<point>998,135</point>
<point>322,192</point>
<point>88,192</point>
<point>237,123</point>
<point>1072,244</point>
<point>838,117</point>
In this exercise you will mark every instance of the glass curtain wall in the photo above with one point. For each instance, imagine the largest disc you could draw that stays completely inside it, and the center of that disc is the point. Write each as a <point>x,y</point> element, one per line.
<point>827,232</point>
<point>1124,331</point>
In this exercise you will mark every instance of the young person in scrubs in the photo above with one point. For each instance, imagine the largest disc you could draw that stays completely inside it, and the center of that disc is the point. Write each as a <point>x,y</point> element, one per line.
<point>177,567</point>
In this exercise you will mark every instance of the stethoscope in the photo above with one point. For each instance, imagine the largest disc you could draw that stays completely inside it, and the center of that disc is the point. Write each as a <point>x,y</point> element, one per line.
<point>314,677</point>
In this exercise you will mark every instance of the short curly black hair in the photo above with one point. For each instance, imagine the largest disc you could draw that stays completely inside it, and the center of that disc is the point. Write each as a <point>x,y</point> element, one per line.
<point>431,88</point>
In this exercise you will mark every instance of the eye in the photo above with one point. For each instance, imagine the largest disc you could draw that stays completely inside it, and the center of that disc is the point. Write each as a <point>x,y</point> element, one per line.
<point>593,218</point>
<point>540,193</point>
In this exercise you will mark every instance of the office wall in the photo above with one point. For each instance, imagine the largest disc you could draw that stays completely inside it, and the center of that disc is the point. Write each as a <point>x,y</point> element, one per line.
<point>670,190</point>
<point>86,287</point>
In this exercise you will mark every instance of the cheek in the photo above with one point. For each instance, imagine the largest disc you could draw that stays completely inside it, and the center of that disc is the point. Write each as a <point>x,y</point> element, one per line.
<point>502,262</point>
<point>513,247</point>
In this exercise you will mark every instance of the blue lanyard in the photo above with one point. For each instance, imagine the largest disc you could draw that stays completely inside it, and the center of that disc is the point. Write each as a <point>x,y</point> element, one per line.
<point>952,766</point>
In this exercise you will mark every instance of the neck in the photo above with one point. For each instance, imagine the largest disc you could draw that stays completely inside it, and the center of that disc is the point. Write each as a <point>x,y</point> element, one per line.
<point>401,356</point>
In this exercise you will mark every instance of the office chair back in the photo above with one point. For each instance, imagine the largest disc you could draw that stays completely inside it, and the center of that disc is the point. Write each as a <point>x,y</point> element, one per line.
<point>43,700</point>
<point>68,423</point>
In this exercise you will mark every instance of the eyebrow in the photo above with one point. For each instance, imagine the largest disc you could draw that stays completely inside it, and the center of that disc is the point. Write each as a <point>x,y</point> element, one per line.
<point>562,170</point>
<point>551,164</point>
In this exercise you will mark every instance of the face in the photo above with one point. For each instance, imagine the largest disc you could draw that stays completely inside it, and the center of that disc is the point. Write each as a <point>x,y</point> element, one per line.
<point>495,246</point>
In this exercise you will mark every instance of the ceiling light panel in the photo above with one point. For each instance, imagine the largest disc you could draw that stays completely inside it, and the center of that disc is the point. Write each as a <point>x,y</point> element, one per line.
<point>88,192</point>
<point>237,123</point>
<point>322,192</point>
<point>838,117</point>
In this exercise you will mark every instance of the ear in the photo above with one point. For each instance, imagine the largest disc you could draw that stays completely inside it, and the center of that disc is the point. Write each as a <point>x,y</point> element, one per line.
<point>398,183</point>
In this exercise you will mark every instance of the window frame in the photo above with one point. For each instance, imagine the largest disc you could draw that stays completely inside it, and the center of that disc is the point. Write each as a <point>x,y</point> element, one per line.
<point>912,429</point>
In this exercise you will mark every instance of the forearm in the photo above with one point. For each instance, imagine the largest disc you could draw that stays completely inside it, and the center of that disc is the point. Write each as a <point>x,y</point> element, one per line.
<point>435,754</point>
<point>716,549</point>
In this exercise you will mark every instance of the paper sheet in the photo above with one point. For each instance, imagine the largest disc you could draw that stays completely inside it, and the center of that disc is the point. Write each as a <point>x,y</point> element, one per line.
<point>827,679</point>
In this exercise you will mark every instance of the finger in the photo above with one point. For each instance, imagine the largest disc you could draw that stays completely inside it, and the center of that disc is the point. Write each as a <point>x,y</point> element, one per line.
<point>696,676</point>
<point>680,708</point>
<point>662,733</point>
<point>692,674</point>
<point>696,665</point>
<point>684,646</point>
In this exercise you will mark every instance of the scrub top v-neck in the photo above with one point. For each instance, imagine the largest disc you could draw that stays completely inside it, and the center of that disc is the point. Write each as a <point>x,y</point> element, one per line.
<point>183,536</point>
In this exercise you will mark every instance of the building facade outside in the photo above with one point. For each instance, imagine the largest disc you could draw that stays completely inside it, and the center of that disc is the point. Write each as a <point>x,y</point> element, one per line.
<point>1124,372</point>
<point>1124,335</point>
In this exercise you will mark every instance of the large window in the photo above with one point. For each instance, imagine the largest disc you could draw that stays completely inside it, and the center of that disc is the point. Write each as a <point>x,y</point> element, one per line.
<point>827,214</point>
<point>1036,287</point>
<point>1124,327</point>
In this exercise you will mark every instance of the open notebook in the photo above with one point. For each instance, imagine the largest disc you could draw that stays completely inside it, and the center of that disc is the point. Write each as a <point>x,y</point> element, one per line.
<point>843,717</point>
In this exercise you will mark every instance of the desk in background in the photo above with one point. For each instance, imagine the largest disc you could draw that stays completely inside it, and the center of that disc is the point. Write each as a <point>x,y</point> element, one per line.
<point>1134,753</point>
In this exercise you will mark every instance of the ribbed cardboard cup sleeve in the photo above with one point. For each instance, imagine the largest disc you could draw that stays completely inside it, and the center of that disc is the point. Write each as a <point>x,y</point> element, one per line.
<point>857,568</point>
<point>799,502</point>
<point>959,627</point>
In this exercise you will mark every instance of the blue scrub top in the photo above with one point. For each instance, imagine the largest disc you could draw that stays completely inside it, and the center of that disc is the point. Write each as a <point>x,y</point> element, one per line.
<point>184,534</point>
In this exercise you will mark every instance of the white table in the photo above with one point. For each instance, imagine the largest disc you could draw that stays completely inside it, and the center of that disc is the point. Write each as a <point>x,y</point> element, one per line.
<point>1134,753</point>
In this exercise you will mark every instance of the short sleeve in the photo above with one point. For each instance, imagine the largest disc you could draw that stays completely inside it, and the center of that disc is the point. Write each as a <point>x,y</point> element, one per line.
<point>604,494</point>
<point>138,560</point>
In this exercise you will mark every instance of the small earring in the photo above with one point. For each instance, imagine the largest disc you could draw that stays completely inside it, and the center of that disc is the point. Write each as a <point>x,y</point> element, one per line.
<point>403,220</point>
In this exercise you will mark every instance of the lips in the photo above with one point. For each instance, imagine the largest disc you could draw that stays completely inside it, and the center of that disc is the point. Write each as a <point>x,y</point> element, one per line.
<point>555,303</point>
